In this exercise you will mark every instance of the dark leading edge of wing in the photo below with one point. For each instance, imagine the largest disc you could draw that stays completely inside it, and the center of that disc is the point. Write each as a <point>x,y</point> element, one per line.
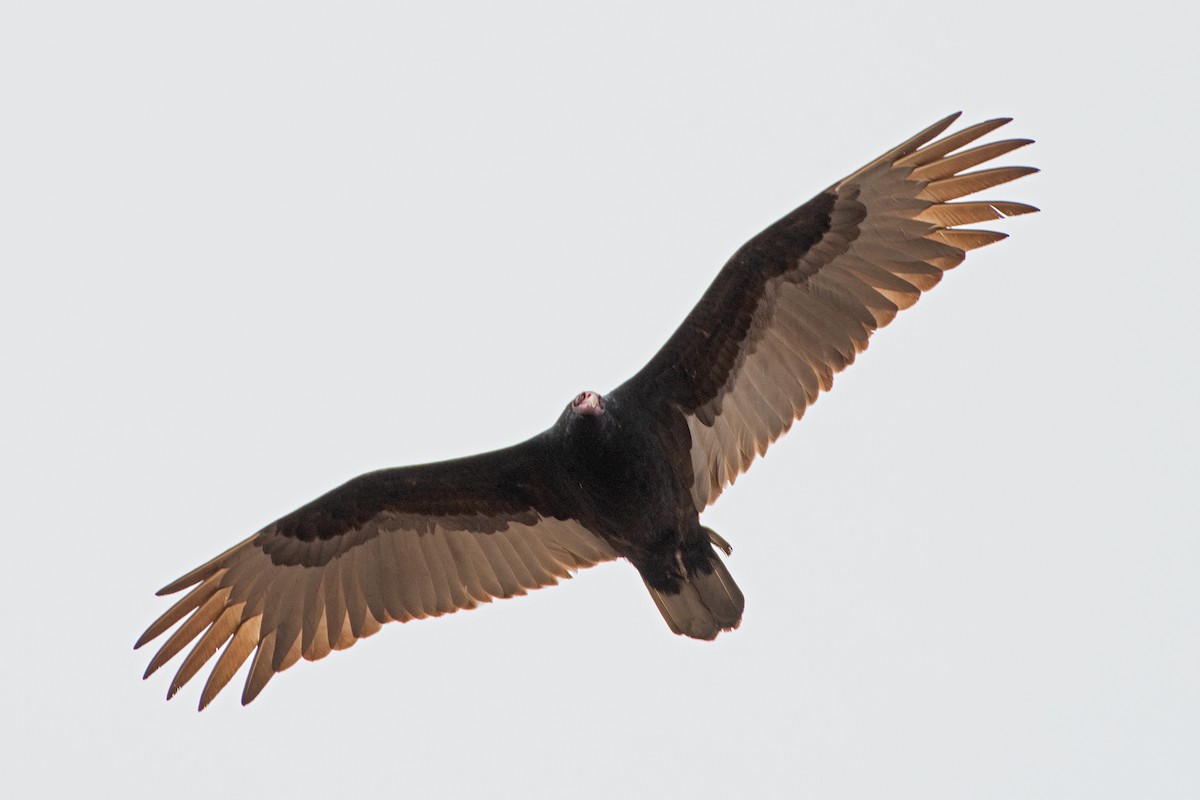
<point>798,301</point>
<point>398,544</point>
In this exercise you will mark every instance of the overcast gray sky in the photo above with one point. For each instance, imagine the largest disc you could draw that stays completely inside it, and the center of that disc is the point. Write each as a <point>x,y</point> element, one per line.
<point>252,250</point>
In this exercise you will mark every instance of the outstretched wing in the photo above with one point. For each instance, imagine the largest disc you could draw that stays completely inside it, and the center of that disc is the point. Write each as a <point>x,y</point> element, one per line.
<point>397,544</point>
<point>798,301</point>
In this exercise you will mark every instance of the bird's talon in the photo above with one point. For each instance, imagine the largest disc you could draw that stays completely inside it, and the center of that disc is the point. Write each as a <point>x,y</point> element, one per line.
<point>719,541</point>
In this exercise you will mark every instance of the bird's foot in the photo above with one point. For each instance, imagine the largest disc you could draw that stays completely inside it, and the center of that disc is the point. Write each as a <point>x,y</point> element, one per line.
<point>719,541</point>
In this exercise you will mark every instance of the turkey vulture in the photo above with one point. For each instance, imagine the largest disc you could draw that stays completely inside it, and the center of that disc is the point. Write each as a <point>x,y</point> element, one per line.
<point>622,475</point>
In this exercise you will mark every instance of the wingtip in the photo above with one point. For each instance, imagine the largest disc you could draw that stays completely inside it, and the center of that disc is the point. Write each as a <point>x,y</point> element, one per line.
<point>993,123</point>
<point>176,586</point>
<point>1021,172</point>
<point>938,127</point>
<point>1012,209</point>
<point>254,687</point>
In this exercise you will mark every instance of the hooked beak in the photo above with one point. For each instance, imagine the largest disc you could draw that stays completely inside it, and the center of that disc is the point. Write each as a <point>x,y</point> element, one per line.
<point>588,403</point>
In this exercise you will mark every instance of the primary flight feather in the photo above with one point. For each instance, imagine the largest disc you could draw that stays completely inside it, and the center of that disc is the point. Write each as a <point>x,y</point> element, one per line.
<point>624,475</point>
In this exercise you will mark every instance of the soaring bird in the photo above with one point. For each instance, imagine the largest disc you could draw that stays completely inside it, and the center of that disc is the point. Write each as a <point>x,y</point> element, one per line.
<point>620,475</point>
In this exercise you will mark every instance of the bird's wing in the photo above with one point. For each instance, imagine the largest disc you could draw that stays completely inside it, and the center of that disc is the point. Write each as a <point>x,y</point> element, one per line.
<point>391,545</point>
<point>798,301</point>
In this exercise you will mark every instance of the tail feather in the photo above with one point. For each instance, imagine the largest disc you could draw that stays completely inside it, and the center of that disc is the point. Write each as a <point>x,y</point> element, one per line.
<point>704,606</point>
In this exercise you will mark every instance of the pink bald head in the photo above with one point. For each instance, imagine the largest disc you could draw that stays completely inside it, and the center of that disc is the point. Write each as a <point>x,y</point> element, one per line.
<point>588,404</point>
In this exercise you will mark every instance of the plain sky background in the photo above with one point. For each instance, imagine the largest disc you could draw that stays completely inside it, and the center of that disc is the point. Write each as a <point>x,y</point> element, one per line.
<point>250,250</point>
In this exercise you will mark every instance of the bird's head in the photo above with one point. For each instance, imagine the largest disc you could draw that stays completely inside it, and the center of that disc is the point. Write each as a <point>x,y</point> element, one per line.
<point>588,424</point>
<point>587,404</point>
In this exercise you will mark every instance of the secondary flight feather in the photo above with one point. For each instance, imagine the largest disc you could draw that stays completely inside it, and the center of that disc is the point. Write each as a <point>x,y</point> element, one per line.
<point>622,475</point>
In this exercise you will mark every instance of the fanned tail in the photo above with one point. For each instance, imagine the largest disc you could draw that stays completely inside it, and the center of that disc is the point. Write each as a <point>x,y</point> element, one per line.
<point>705,605</point>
